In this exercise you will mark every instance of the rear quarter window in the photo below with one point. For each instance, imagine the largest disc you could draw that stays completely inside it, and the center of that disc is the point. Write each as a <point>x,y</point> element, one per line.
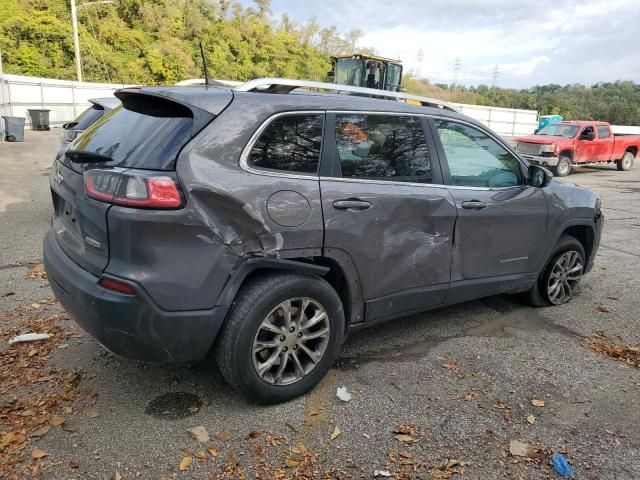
<point>289,143</point>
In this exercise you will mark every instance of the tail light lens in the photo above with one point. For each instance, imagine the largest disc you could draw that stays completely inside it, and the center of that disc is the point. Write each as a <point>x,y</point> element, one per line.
<point>137,189</point>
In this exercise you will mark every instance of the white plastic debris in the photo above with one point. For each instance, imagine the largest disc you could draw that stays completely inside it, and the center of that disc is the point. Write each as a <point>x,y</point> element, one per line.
<point>29,337</point>
<point>381,473</point>
<point>343,395</point>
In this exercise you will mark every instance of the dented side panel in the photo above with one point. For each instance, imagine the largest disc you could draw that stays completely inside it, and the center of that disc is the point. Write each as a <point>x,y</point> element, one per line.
<point>401,242</point>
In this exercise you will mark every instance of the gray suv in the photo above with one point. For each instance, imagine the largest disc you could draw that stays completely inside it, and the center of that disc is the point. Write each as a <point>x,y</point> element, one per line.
<point>268,224</point>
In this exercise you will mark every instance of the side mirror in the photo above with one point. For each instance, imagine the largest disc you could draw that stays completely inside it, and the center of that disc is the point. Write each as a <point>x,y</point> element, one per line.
<point>586,136</point>
<point>539,176</point>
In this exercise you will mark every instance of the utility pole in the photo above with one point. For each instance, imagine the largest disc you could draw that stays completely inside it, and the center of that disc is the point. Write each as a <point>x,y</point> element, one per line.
<point>76,41</point>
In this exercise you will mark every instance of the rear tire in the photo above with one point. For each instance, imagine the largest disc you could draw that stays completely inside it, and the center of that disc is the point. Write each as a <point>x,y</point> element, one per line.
<point>271,323</point>
<point>563,168</point>
<point>626,162</point>
<point>570,252</point>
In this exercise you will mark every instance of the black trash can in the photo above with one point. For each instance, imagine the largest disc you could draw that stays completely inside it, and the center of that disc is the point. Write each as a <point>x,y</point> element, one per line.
<point>14,129</point>
<point>39,119</point>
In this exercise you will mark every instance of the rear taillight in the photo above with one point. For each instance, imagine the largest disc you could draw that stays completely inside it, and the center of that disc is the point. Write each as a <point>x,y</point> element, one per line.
<point>138,189</point>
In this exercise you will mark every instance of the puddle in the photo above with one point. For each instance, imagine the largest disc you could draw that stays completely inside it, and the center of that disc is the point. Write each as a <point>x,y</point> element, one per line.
<point>174,405</point>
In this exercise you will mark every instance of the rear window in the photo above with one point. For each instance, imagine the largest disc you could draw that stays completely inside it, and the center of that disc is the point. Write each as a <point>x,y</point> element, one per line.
<point>87,118</point>
<point>145,132</point>
<point>603,131</point>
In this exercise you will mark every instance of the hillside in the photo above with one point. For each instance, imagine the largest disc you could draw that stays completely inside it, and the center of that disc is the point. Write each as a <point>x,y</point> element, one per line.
<point>156,42</point>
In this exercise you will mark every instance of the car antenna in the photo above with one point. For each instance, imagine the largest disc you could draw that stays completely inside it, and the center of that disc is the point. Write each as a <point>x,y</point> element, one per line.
<point>204,65</point>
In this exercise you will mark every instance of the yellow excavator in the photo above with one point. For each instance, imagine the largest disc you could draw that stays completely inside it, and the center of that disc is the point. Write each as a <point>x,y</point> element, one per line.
<point>370,71</point>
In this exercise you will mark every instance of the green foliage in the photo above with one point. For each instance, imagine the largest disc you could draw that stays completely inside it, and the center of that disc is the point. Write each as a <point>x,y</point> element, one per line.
<point>156,41</point>
<point>614,102</point>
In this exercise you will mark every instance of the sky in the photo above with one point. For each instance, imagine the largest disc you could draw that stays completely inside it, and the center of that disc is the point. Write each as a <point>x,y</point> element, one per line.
<point>532,42</point>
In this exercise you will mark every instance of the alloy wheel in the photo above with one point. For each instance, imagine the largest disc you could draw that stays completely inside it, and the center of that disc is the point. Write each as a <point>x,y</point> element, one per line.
<point>290,341</point>
<point>564,277</point>
<point>627,161</point>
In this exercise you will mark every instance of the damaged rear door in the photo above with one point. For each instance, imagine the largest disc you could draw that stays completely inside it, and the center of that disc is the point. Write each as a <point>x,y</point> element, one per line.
<point>385,206</point>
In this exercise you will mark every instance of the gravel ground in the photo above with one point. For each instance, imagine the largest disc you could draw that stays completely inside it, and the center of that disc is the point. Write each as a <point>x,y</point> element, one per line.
<point>458,383</point>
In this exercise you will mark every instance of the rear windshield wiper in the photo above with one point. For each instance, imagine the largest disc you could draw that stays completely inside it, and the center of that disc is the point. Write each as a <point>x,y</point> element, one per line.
<point>82,156</point>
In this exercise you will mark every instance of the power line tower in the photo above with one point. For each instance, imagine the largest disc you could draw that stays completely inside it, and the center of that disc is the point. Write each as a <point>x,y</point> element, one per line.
<point>457,66</point>
<point>419,60</point>
<point>494,76</point>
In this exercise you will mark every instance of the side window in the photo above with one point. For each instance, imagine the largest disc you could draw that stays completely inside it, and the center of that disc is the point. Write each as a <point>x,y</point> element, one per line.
<point>603,131</point>
<point>290,143</point>
<point>475,159</point>
<point>382,147</point>
<point>587,131</point>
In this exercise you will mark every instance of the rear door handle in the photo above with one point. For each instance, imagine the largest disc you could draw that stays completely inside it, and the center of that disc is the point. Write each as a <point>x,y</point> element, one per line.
<point>351,204</point>
<point>473,205</point>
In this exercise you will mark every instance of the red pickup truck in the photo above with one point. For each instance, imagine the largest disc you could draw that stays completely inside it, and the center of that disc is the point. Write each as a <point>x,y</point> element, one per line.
<point>564,144</point>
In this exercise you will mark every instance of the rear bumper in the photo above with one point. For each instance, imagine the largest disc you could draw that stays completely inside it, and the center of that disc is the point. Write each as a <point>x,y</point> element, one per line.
<point>542,161</point>
<point>129,325</point>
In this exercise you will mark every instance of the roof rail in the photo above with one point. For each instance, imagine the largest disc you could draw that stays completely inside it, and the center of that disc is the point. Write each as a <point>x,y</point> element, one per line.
<point>286,85</point>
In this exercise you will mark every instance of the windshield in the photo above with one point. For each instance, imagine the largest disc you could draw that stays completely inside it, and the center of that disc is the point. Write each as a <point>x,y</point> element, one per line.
<point>348,72</point>
<point>560,130</point>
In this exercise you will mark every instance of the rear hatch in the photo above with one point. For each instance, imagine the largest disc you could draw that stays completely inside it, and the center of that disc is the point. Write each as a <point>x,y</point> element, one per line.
<point>146,133</point>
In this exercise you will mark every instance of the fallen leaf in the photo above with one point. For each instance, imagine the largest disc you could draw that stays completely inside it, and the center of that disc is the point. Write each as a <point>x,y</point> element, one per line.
<point>470,396</point>
<point>68,410</point>
<point>291,463</point>
<point>403,437</point>
<point>531,419</point>
<point>254,434</point>
<point>537,403</point>
<point>117,476</point>
<point>602,308</point>
<point>223,435</point>
<point>32,352</point>
<point>38,454</point>
<point>92,414</point>
<point>213,451</point>
<point>508,415</point>
<point>336,433</point>
<point>522,449</point>
<point>42,431</point>
<point>366,435</point>
<point>201,454</point>
<point>74,464</point>
<point>35,305</point>
<point>186,461</point>
<point>500,405</point>
<point>405,454</point>
<point>199,433</point>
<point>451,366</point>
<point>56,420</point>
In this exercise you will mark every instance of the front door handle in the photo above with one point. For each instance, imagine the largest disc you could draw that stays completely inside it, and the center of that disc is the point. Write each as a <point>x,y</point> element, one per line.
<point>351,204</point>
<point>473,205</point>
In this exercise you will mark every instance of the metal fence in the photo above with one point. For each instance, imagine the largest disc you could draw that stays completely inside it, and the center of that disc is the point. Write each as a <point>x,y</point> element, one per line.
<point>66,99</point>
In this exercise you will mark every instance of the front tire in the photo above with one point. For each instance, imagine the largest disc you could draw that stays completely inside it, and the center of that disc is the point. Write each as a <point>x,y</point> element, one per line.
<point>626,162</point>
<point>559,281</point>
<point>563,168</point>
<point>283,333</point>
